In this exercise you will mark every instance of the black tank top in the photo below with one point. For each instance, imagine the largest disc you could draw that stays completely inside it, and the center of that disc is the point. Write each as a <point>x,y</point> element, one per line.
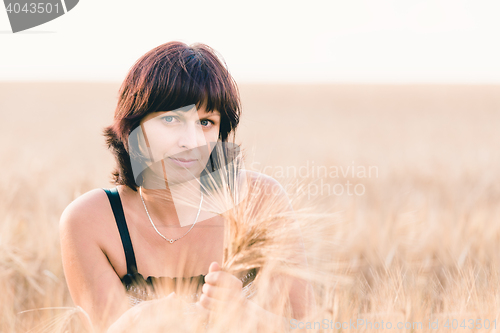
<point>133,281</point>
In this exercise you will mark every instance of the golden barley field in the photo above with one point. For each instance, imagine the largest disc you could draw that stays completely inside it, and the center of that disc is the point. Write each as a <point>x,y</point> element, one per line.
<point>396,189</point>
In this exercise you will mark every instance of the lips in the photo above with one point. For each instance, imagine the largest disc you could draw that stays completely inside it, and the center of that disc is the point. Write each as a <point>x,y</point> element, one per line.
<point>183,162</point>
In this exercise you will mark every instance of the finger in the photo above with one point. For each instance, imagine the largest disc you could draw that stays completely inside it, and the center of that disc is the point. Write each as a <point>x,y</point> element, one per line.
<point>214,267</point>
<point>210,303</point>
<point>223,279</point>
<point>219,293</point>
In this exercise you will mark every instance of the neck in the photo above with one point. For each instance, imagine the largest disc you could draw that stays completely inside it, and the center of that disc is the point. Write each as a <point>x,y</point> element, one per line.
<point>174,205</point>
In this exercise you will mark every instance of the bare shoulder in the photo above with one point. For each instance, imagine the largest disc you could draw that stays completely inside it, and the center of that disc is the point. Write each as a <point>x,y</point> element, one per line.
<point>265,190</point>
<point>85,213</point>
<point>259,181</point>
<point>257,178</point>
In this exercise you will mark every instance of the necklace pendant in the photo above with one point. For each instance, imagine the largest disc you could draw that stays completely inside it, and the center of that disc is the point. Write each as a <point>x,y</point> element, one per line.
<point>171,241</point>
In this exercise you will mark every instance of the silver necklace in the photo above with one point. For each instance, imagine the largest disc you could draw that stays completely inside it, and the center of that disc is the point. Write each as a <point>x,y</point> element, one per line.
<point>150,220</point>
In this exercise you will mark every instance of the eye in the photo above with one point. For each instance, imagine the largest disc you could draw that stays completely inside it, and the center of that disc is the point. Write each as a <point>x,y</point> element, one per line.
<point>168,119</point>
<point>206,122</point>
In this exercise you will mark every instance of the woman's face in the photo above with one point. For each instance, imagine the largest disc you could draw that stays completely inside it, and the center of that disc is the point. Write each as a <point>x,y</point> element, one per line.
<point>183,139</point>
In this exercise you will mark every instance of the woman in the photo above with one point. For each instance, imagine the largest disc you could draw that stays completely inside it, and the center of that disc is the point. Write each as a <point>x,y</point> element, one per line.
<point>176,105</point>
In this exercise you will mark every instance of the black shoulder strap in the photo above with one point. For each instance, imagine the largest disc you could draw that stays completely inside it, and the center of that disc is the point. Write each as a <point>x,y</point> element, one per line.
<point>116,205</point>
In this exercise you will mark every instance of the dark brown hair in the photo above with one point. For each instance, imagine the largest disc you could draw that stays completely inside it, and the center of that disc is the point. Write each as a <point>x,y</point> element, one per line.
<point>166,78</point>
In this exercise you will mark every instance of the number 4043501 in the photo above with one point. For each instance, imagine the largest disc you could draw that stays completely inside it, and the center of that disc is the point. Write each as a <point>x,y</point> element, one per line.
<point>39,7</point>
<point>471,323</point>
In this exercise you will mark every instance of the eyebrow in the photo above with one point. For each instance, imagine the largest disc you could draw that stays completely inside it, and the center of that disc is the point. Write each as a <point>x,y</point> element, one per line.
<point>181,112</point>
<point>210,114</point>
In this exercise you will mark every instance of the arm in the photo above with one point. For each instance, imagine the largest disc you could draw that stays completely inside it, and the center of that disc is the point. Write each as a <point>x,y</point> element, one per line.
<point>300,293</point>
<point>92,281</point>
<point>299,290</point>
<point>274,198</point>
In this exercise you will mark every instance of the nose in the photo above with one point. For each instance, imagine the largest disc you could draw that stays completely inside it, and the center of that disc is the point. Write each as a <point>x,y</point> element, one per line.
<point>191,136</point>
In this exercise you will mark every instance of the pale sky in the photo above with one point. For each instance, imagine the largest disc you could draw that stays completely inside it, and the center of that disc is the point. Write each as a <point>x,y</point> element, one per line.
<point>358,41</point>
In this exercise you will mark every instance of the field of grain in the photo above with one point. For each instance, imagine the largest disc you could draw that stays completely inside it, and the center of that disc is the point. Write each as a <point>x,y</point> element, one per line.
<point>405,181</point>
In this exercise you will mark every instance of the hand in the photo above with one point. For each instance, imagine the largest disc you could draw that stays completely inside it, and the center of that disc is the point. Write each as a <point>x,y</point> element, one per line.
<point>221,290</point>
